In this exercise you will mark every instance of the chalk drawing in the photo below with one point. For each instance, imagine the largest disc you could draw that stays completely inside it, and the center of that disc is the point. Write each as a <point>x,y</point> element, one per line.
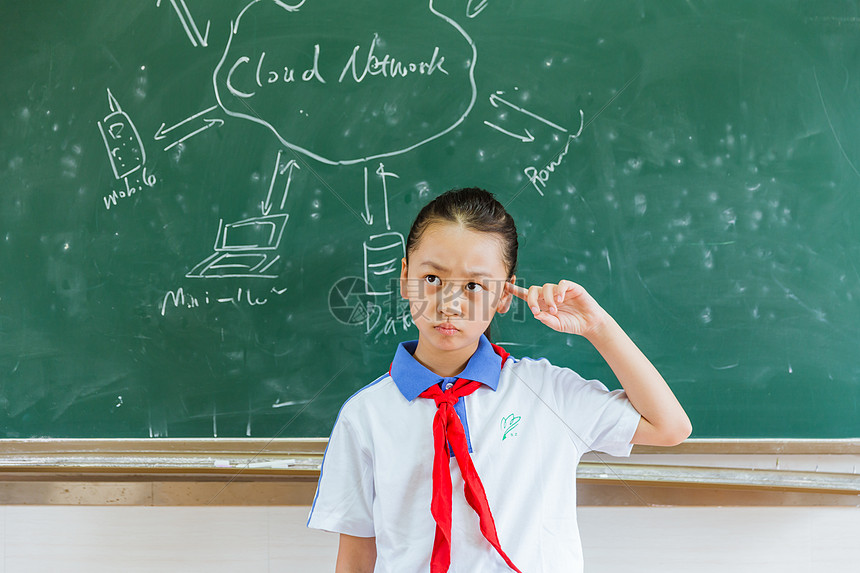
<point>122,141</point>
<point>367,216</point>
<point>284,85</point>
<point>244,248</point>
<point>248,248</point>
<point>475,7</point>
<point>125,151</point>
<point>382,256</point>
<point>162,132</point>
<point>496,100</point>
<point>188,23</point>
<point>540,177</point>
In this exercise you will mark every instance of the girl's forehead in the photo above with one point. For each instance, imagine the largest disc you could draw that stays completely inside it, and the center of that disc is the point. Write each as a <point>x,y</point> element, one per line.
<point>458,249</point>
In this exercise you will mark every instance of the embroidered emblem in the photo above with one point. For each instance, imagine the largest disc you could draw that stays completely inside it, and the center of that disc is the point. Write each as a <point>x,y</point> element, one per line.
<point>509,423</point>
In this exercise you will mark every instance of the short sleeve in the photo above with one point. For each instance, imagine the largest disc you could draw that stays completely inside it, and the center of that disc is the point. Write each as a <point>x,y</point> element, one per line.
<point>344,498</point>
<point>608,422</point>
<point>599,419</point>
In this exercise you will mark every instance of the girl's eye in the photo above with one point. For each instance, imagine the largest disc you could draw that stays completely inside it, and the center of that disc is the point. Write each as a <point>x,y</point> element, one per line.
<point>474,287</point>
<point>433,280</point>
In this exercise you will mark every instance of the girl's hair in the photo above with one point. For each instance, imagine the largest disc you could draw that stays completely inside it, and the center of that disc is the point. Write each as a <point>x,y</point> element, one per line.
<point>474,209</point>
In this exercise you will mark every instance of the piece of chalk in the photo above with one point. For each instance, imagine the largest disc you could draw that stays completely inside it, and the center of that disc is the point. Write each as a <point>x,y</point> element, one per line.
<point>274,464</point>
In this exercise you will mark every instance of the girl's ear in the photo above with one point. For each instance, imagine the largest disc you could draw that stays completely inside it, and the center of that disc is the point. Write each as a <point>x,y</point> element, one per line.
<point>404,293</point>
<point>507,297</point>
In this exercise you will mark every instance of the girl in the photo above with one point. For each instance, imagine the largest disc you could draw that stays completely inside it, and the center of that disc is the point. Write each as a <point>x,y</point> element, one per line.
<point>462,458</point>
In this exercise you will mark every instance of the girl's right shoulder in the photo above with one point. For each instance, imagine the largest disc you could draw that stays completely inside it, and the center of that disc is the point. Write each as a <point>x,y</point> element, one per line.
<point>369,396</point>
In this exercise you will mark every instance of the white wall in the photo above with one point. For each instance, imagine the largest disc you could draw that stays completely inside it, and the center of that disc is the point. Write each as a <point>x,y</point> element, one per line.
<point>713,539</point>
<point>95,539</point>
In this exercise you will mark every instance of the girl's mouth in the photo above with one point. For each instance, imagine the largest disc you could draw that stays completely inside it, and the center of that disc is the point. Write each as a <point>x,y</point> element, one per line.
<point>447,329</point>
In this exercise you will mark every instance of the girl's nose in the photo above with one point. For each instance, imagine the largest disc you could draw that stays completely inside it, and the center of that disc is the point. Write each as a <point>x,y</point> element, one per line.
<point>450,301</point>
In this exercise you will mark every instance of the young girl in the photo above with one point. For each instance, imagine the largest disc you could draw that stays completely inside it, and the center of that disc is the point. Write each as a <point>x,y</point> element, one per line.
<point>462,458</point>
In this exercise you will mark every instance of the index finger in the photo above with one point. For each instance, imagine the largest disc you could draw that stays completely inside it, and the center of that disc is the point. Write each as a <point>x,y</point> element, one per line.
<point>517,290</point>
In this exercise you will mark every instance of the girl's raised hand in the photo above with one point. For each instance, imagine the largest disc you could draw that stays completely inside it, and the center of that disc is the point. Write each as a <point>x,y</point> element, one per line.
<point>565,307</point>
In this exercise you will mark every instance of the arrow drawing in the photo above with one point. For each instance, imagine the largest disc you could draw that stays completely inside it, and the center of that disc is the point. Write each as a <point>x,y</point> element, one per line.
<point>162,132</point>
<point>383,173</point>
<point>367,216</point>
<point>527,138</point>
<point>474,8</point>
<point>293,164</point>
<point>266,206</point>
<point>193,33</point>
<point>495,100</point>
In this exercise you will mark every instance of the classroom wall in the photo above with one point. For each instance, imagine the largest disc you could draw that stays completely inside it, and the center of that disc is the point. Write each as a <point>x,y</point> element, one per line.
<point>95,539</point>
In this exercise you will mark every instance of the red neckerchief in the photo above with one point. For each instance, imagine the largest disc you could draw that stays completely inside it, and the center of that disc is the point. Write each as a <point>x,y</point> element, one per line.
<point>448,432</point>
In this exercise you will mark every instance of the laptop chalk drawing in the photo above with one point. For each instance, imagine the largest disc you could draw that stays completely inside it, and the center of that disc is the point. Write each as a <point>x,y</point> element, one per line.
<point>245,248</point>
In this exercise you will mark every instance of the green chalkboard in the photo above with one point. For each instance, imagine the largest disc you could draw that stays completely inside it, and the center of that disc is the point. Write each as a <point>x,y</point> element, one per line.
<point>202,203</point>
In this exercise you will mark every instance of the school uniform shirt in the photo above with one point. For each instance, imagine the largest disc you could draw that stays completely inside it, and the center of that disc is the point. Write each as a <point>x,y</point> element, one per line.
<point>527,427</point>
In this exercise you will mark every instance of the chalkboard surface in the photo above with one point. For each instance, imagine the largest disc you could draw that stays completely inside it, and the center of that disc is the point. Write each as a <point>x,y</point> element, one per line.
<point>203,204</point>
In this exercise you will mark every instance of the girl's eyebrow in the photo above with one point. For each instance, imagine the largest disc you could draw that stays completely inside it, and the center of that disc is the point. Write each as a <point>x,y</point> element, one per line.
<point>469,272</point>
<point>434,265</point>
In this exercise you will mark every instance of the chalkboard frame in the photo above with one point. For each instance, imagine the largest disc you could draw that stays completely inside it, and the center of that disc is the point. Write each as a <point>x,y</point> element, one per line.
<point>290,467</point>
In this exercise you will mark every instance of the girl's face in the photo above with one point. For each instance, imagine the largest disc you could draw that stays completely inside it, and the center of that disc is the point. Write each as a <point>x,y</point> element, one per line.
<point>455,285</point>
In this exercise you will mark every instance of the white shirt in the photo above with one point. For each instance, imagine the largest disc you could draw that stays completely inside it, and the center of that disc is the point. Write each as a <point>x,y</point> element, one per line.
<point>527,425</point>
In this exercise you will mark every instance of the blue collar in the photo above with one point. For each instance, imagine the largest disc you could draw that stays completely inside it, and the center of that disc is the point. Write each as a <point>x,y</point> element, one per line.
<point>412,378</point>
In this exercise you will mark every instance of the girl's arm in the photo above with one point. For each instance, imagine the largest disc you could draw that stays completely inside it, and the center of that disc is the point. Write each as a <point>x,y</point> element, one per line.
<point>355,554</point>
<point>567,307</point>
